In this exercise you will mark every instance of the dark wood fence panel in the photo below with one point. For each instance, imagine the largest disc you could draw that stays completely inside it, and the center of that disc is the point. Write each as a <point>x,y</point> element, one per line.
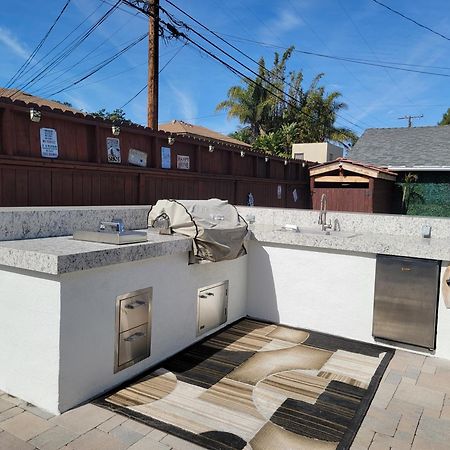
<point>81,175</point>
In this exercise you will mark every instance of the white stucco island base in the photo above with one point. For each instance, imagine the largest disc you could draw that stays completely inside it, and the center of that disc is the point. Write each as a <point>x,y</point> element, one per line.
<point>57,337</point>
<point>58,297</point>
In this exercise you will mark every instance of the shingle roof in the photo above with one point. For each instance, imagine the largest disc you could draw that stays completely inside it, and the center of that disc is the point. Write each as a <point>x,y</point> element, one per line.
<point>410,147</point>
<point>28,98</point>
<point>187,129</point>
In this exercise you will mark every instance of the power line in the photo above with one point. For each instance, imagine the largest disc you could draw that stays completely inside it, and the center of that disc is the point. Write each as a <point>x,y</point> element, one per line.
<point>176,33</point>
<point>411,20</point>
<point>242,64</point>
<point>349,59</point>
<point>85,57</point>
<point>63,54</point>
<point>43,58</point>
<point>146,84</point>
<point>20,71</point>
<point>102,64</point>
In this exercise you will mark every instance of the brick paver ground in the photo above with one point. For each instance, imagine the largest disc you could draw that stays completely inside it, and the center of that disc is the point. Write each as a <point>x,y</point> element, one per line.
<point>411,410</point>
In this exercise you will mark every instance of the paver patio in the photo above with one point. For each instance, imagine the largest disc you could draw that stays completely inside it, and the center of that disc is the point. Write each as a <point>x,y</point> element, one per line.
<point>411,410</point>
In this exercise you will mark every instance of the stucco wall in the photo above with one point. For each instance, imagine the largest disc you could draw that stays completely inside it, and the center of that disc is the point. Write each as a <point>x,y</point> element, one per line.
<point>330,292</point>
<point>88,316</point>
<point>29,337</point>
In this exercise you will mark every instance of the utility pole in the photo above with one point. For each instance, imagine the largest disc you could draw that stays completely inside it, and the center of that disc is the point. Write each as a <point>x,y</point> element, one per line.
<point>409,119</point>
<point>153,64</point>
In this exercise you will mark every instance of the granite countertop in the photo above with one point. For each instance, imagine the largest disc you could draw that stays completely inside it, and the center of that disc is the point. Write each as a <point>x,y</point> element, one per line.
<point>388,244</point>
<point>59,255</point>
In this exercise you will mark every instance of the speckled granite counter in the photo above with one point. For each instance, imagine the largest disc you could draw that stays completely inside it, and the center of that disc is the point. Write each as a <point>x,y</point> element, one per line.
<point>412,246</point>
<point>58,255</point>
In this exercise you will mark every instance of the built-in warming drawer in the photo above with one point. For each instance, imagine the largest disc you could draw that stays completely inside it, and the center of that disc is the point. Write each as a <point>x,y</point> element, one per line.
<point>134,345</point>
<point>133,328</point>
<point>212,306</point>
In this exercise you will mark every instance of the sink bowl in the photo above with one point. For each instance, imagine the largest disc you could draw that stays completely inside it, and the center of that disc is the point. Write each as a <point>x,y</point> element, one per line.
<point>318,232</point>
<point>107,237</point>
<point>315,231</point>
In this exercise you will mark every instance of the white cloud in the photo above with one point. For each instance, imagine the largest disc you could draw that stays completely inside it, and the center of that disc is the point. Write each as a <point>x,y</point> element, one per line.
<point>12,43</point>
<point>285,20</point>
<point>183,104</point>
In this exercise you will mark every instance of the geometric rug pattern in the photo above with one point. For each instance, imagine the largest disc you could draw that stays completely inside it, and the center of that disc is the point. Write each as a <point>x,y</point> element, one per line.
<point>259,386</point>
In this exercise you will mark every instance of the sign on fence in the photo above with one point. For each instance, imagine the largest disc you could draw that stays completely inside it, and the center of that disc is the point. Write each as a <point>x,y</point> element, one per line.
<point>183,162</point>
<point>113,149</point>
<point>49,143</point>
<point>165,157</point>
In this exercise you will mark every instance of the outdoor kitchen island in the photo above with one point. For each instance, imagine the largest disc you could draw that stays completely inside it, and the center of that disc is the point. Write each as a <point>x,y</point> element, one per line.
<point>59,295</point>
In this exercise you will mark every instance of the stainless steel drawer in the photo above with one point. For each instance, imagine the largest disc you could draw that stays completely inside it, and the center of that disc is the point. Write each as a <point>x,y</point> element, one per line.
<point>133,328</point>
<point>134,345</point>
<point>134,311</point>
<point>212,307</point>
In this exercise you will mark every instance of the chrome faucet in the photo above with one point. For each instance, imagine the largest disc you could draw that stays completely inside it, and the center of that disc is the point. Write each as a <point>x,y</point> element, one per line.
<point>323,214</point>
<point>116,224</point>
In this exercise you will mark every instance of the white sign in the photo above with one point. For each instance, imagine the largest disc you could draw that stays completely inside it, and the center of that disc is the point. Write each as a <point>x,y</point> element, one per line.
<point>137,158</point>
<point>183,162</point>
<point>49,143</point>
<point>295,195</point>
<point>165,157</point>
<point>279,192</point>
<point>113,149</point>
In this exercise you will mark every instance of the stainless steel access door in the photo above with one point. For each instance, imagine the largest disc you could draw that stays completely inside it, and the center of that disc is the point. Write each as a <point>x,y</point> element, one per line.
<point>212,307</point>
<point>406,298</point>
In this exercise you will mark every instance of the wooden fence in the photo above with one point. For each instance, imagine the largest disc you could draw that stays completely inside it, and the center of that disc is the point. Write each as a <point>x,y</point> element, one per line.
<point>82,175</point>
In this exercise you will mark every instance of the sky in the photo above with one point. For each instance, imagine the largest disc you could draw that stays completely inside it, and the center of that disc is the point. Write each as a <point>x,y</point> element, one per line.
<point>192,83</point>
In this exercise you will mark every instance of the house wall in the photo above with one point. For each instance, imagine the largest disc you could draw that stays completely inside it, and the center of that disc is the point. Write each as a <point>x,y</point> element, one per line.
<point>318,151</point>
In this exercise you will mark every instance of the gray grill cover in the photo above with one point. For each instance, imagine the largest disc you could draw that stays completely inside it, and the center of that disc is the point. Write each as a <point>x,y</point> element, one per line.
<point>216,227</point>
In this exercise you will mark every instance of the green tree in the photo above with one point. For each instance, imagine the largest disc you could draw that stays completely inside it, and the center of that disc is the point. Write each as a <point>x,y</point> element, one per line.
<point>272,120</point>
<point>116,116</point>
<point>445,118</point>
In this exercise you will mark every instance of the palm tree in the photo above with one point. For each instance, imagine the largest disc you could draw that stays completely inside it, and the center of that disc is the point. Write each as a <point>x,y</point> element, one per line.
<point>310,114</point>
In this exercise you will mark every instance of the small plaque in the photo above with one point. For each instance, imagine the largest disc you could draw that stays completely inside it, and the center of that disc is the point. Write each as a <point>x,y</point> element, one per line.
<point>113,149</point>
<point>49,143</point>
<point>137,158</point>
<point>183,162</point>
<point>165,157</point>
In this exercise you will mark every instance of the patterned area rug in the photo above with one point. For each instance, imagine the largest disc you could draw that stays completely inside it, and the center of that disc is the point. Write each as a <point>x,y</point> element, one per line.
<point>259,386</point>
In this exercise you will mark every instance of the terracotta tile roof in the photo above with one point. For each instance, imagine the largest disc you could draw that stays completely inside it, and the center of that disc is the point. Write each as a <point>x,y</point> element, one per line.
<point>186,129</point>
<point>29,98</point>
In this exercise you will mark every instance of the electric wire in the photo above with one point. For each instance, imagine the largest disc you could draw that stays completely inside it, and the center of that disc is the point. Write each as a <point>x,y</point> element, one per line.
<point>22,68</point>
<point>102,64</point>
<point>50,86</point>
<point>412,20</point>
<point>146,84</point>
<point>43,58</point>
<point>176,33</point>
<point>64,53</point>
<point>247,67</point>
<point>366,62</point>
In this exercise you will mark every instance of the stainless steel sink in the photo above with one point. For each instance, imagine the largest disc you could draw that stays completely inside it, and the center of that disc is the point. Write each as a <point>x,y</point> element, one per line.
<point>111,237</point>
<point>318,232</point>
